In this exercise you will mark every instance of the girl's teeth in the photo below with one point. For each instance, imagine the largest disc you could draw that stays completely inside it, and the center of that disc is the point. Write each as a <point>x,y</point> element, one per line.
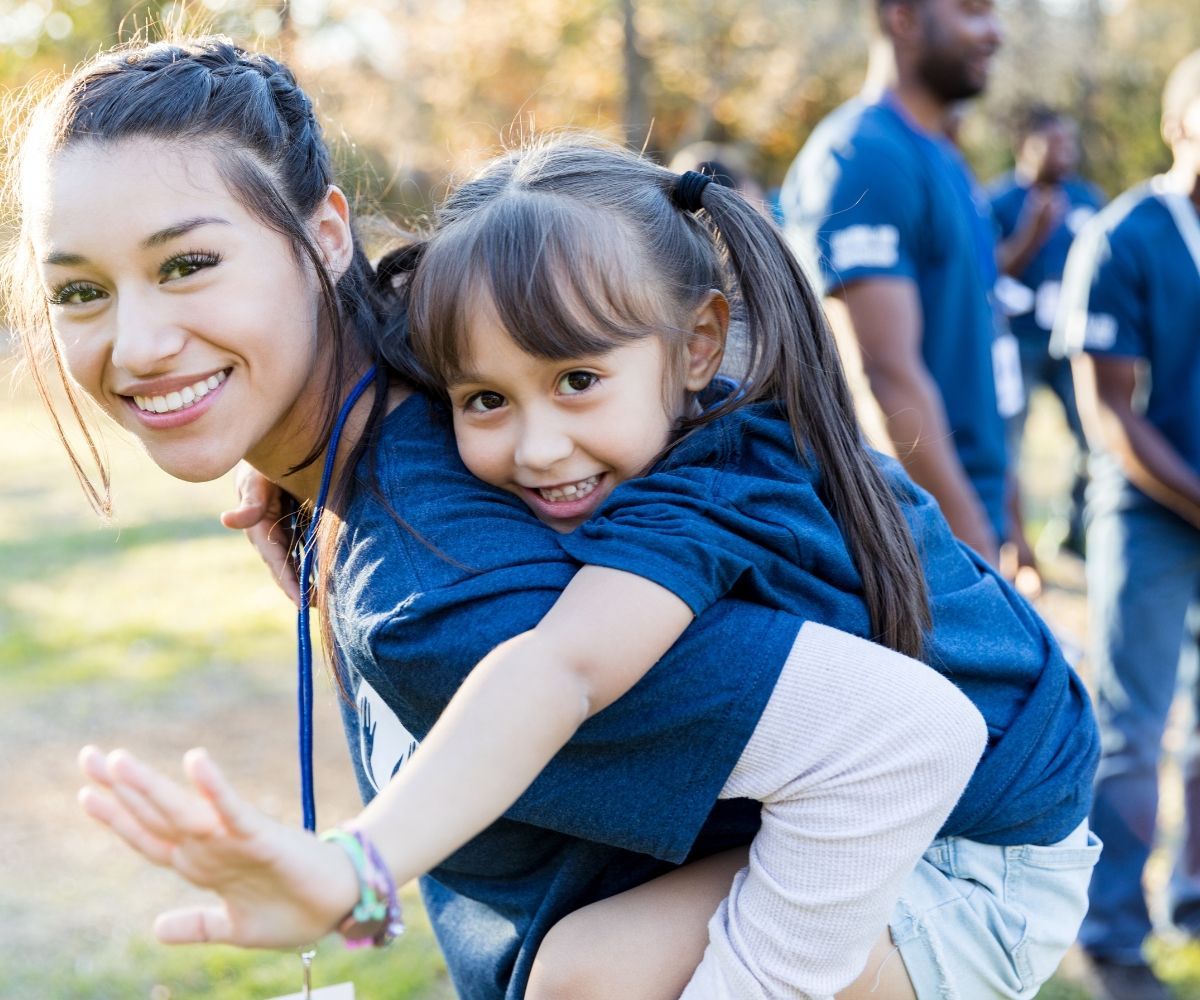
<point>185,397</point>
<point>574,491</point>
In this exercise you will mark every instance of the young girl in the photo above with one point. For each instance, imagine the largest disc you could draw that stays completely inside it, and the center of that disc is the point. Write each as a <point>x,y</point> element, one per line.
<point>184,244</point>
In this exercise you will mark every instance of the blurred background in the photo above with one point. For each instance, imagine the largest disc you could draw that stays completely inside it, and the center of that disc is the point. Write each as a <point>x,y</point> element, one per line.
<point>417,91</point>
<point>160,631</point>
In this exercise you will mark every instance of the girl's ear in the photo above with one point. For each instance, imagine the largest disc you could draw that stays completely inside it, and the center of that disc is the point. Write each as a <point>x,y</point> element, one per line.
<point>706,341</point>
<point>330,228</point>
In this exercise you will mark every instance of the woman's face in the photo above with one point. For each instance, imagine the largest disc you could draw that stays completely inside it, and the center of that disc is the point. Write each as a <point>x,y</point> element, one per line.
<point>187,319</point>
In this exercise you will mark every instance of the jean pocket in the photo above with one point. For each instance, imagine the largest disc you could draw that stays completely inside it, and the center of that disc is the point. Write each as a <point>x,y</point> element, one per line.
<point>1047,886</point>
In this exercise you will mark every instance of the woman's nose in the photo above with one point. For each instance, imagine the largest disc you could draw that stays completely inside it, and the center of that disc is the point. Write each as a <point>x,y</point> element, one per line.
<point>146,338</point>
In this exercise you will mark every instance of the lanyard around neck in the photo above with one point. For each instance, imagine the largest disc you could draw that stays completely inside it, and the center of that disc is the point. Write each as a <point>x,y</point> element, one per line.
<point>304,680</point>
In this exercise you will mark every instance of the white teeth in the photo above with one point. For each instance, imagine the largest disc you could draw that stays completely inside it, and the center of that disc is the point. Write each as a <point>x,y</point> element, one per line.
<point>574,491</point>
<point>181,399</point>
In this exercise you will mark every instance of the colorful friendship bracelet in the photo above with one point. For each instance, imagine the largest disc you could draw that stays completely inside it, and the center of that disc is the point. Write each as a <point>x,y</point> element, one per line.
<point>376,918</point>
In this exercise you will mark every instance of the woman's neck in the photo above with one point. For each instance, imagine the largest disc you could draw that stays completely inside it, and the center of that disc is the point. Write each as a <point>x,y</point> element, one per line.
<point>305,484</point>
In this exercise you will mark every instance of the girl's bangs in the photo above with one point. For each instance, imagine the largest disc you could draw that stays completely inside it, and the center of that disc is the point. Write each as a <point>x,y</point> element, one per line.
<point>562,281</point>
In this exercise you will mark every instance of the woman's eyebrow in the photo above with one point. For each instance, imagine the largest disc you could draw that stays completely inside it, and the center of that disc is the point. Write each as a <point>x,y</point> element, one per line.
<point>164,235</point>
<point>180,229</point>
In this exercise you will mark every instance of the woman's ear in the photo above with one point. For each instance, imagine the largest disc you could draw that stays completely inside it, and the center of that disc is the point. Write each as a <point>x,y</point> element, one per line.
<point>330,228</point>
<point>706,341</point>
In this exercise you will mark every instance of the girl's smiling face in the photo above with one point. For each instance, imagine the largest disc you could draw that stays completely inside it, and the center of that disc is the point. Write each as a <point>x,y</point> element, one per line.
<point>179,312</point>
<point>562,434</point>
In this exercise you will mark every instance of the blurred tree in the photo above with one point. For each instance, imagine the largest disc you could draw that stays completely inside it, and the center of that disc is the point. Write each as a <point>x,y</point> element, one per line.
<point>418,92</point>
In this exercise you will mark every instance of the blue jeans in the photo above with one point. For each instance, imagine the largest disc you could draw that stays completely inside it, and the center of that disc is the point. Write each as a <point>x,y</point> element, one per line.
<point>1143,571</point>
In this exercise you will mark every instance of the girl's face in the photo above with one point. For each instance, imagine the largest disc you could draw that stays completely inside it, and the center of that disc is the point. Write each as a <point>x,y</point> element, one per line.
<point>180,313</point>
<point>561,435</point>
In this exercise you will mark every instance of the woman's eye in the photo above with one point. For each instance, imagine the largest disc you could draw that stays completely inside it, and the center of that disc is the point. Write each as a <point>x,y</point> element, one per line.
<point>185,264</point>
<point>483,402</point>
<point>75,293</point>
<point>576,382</point>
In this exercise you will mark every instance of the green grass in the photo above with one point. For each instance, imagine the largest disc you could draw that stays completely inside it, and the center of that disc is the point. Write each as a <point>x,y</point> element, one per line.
<point>410,968</point>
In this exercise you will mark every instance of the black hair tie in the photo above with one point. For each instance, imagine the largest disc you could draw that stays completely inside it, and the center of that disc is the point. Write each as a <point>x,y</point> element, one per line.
<point>689,186</point>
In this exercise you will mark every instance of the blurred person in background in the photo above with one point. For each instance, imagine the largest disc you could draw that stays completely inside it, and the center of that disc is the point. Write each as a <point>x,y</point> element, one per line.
<point>1039,207</point>
<point>886,215</point>
<point>1131,316</point>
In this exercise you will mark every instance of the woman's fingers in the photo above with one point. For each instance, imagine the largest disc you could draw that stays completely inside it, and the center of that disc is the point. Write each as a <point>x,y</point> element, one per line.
<point>105,809</point>
<point>255,493</point>
<point>194,925</point>
<point>261,513</point>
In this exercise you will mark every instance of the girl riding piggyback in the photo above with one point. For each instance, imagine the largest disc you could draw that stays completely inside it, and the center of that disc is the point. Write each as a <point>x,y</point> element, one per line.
<point>574,303</point>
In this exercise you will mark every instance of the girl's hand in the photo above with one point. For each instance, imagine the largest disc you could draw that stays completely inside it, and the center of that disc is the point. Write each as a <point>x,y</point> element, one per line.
<point>279,887</point>
<point>262,514</point>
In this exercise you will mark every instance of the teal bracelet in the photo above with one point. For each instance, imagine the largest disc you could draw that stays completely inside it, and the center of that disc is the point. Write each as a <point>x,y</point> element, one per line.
<point>375,918</point>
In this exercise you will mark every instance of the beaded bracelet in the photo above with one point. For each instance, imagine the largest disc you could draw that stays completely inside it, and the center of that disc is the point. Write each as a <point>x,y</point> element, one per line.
<point>376,918</point>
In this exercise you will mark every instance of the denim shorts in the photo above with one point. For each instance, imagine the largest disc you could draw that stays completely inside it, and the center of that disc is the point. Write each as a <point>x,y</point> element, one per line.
<point>978,921</point>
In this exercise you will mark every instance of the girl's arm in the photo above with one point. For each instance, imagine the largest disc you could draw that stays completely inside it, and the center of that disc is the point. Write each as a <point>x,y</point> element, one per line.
<point>515,711</point>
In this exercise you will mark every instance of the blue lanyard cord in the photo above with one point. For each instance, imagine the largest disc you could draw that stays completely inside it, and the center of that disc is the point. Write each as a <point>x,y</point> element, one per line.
<point>304,680</point>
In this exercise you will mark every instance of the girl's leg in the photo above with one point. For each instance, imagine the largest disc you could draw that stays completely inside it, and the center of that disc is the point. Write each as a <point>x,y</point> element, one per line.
<point>858,758</point>
<point>645,944</point>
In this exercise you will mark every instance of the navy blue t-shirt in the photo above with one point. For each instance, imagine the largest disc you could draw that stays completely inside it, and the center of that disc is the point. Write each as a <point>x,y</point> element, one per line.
<point>872,196</point>
<point>1132,290</point>
<point>1043,274</point>
<point>732,511</point>
<point>413,611</point>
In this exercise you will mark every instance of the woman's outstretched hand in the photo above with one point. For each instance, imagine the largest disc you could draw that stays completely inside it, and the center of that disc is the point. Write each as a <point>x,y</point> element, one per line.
<point>262,513</point>
<point>279,887</point>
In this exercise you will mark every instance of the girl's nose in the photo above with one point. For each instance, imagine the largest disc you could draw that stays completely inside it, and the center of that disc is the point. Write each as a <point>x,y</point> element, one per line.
<point>146,338</point>
<point>541,445</point>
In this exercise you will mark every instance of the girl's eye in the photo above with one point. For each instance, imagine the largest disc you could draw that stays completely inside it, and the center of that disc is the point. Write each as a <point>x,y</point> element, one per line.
<point>577,382</point>
<point>185,264</point>
<point>75,293</point>
<point>484,402</point>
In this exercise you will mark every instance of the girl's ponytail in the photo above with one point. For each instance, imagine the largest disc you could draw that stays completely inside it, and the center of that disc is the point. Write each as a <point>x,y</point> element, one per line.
<point>791,357</point>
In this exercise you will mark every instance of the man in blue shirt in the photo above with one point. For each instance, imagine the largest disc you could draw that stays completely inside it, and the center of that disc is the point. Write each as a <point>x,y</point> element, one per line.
<point>1131,306</point>
<point>885,214</point>
<point>1039,207</point>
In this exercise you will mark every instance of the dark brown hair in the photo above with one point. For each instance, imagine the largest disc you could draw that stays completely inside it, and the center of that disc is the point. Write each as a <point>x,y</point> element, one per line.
<point>578,245</point>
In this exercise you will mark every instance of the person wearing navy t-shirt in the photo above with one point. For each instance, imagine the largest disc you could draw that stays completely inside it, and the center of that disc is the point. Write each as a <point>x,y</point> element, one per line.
<point>1039,206</point>
<point>884,212</point>
<point>1131,313</point>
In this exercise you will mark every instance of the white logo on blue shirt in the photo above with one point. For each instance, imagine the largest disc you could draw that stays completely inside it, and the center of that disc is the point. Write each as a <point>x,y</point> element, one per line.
<point>865,246</point>
<point>383,742</point>
<point>1078,217</point>
<point>1100,332</point>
